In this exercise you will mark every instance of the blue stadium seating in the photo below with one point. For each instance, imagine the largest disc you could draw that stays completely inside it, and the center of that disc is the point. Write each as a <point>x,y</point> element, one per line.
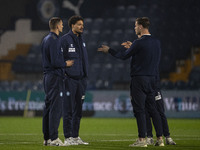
<point>116,25</point>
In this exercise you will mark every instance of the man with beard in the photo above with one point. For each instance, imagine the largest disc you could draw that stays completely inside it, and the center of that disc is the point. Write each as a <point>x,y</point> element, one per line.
<point>74,48</point>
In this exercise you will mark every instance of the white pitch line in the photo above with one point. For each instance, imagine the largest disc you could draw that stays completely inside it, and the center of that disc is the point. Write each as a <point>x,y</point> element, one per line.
<point>134,140</point>
<point>115,140</point>
<point>34,134</point>
<point>18,143</point>
<point>17,134</point>
<point>124,140</point>
<point>110,134</point>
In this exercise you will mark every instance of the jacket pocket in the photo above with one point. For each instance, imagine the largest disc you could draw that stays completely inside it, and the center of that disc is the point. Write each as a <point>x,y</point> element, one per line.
<point>73,55</point>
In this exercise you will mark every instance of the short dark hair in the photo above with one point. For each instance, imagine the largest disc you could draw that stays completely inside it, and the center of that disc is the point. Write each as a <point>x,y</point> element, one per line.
<point>144,21</point>
<point>72,20</point>
<point>53,22</point>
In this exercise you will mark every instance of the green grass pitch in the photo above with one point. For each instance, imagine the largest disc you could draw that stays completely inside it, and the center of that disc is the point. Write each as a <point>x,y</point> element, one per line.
<point>17,133</point>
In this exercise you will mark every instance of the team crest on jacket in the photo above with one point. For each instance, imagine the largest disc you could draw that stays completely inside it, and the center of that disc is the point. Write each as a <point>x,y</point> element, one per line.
<point>71,48</point>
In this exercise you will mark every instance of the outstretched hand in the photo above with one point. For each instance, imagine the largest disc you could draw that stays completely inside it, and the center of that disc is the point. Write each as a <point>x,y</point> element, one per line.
<point>69,63</point>
<point>127,44</point>
<point>103,48</point>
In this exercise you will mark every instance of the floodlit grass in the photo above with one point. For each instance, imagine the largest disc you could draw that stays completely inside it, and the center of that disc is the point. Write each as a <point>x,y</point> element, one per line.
<point>17,133</point>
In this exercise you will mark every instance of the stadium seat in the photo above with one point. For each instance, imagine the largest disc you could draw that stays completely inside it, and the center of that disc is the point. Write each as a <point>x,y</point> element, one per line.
<point>167,85</point>
<point>130,11</point>
<point>117,35</point>
<point>195,75</point>
<point>109,24</point>
<point>120,11</point>
<point>192,85</point>
<point>115,45</point>
<point>106,35</point>
<point>97,24</point>
<point>180,85</point>
<point>130,23</point>
<point>4,86</point>
<point>94,35</point>
<point>120,24</point>
<point>88,23</point>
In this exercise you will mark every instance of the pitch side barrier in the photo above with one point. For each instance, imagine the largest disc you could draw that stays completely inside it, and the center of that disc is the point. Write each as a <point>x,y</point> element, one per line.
<point>178,104</point>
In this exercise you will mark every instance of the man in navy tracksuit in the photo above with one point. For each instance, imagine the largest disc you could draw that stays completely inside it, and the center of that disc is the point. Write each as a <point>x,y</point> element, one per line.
<point>74,48</point>
<point>160,107</point>
<point>53,63</point>
<point>145,53</point>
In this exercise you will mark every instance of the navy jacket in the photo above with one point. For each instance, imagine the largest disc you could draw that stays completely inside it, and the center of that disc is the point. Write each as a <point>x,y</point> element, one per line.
<point>145,53</point>
<point>74,48</point>
<point>52,56</point>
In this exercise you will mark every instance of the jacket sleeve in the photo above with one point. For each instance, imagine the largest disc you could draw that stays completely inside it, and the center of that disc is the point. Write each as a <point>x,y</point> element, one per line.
<point>56,55</point>
<point>125,54</point>
<point>64,46</point>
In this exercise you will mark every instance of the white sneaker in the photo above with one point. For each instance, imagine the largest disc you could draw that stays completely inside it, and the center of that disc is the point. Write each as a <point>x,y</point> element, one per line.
<point>169,141</point>
<point>47,142</point>
<point>150,141</point>
<point>69,141</point>
<point>79,141</point>
<point>139,143</point>
<point>159,142</point>
<point>56,142</point>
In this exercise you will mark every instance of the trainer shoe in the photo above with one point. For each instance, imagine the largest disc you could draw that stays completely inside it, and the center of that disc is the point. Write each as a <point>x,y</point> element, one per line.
<point>139,143</point>
<point>150,141</point>
<point>159,142</point>
<point>56,142</point>
<point>169,141</point>
<point>47,142</point>
<point>79,141</point>
<point>69,141</point>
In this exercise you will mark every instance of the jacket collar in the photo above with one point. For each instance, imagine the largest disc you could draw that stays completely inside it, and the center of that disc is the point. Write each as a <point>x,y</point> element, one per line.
<point>146,35</point>
<point>73,35</point>
<point>54,34</point>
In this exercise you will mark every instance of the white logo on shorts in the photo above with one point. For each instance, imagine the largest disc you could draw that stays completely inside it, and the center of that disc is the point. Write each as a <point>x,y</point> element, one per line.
<point>61,94</point>
<point>68,93</point>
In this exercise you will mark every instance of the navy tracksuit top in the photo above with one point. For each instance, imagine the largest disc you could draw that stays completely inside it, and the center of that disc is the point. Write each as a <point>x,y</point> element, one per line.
<point>74,48</point>
<point>145,53</point>
<point>52,57</point>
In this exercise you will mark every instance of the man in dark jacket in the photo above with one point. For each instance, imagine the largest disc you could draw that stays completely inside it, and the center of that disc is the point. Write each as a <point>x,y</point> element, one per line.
<point>53,64</point>
<point>74,48</point>
<point>160,108</point>
<point>145,53</point>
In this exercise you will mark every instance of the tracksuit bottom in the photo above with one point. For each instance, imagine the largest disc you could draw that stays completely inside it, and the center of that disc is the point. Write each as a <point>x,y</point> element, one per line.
<point>143,93</point>
<point>161,110</point>
<point>53,87</point>
<point>72,106</point>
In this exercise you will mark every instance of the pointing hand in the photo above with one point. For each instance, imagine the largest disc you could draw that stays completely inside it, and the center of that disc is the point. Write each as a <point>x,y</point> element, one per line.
<point>103,48</point>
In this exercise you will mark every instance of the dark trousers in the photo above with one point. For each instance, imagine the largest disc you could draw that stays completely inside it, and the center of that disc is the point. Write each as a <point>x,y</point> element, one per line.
<point>161,110</point>
<point>143,92</point>
<point>53,87</point>
<point>72,106</point>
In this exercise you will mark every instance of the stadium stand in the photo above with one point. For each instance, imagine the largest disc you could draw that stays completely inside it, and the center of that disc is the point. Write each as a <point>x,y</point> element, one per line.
<point>180,61</point>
